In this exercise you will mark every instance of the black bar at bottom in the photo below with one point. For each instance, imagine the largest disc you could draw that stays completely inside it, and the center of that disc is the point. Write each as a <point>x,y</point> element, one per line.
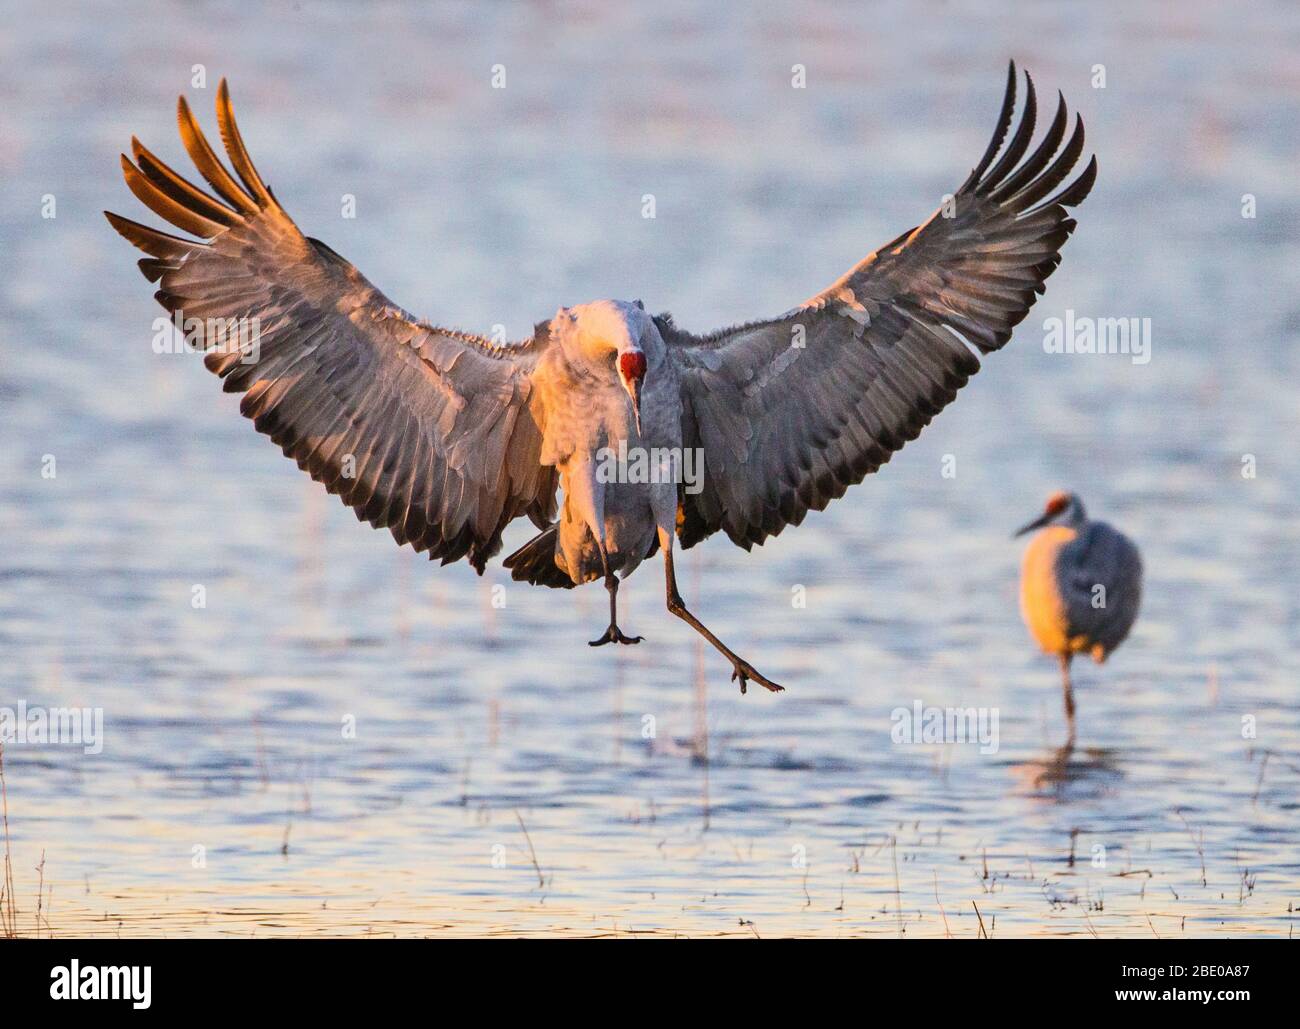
<point>305,977</point>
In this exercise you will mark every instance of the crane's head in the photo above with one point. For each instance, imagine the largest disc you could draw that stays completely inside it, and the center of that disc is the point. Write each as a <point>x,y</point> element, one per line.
<point>612,336</point>
<point>1061,509</point>
<point>631,373</point>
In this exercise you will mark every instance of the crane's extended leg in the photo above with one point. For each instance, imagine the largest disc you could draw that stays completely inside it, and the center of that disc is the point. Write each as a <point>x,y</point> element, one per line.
<point>1069,697</point>
<point>741,669</point>
<point>612,634</point>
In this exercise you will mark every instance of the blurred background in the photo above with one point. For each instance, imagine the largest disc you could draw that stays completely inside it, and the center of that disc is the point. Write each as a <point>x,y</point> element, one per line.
<point>346,738</point>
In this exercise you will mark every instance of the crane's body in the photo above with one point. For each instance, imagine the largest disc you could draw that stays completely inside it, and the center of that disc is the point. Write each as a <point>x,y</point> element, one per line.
<point>445,437</point>
<point>607,524</point>
<point>1080,587</point>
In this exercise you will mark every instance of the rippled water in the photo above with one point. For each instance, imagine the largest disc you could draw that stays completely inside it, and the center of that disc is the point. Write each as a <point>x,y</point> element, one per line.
<point>224,726</point>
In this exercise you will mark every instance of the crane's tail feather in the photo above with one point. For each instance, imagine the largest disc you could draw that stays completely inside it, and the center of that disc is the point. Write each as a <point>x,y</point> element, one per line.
<point>534,562</point>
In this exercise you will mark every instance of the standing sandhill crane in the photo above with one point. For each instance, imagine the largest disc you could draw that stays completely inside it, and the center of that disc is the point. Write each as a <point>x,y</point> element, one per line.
<point>1080,587</point>
<point>446,437</point>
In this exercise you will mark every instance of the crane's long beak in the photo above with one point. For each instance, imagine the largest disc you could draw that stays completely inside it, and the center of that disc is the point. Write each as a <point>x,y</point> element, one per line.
<point>634,391</point>
<point>1037,523</point>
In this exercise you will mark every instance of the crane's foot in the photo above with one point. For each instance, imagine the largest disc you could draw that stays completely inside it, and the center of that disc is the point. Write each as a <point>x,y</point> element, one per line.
<point>614,635</point>
<point>745,672</point>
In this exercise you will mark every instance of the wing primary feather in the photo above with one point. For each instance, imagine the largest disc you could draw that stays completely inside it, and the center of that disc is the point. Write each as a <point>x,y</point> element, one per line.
<point>151,241</point>
<point>207,162</point>
<point>1076,192</point>
<point>178,188</point>
<point>162,204</point>
<point>1037,161</point>
<point>1054,175</point>
<point>1019,142</point>
<point>1004,122</point>
<point>238,153</point>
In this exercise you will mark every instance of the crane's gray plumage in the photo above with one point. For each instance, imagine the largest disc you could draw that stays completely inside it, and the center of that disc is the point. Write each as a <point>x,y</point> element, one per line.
<point>430,433</point>
<point>1100,557</point>
<point>444,437</point>
<point>792,411</point>
<point>1080,586</point>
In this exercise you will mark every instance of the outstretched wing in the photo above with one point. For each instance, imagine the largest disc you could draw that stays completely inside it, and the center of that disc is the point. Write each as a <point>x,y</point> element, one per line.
<point>791,412</point>
<point>431,433</point>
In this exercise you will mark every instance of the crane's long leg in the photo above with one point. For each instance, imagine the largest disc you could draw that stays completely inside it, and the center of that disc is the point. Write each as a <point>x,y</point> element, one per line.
<point>741,669</point>
<point>1069,697</point>
<point>612,634</point>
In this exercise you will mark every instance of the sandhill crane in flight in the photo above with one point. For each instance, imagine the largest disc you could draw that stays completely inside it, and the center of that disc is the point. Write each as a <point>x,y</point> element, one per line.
<point>446,437</point>
<point>1080,587</point>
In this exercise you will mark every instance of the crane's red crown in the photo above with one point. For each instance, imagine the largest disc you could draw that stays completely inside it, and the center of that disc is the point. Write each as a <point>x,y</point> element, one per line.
<point>1057,503</point>
<point>632,365</point>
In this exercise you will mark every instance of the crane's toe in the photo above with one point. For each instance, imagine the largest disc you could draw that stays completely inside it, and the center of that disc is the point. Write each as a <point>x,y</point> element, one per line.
<point>614,635</point>
<point>746,672</point>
